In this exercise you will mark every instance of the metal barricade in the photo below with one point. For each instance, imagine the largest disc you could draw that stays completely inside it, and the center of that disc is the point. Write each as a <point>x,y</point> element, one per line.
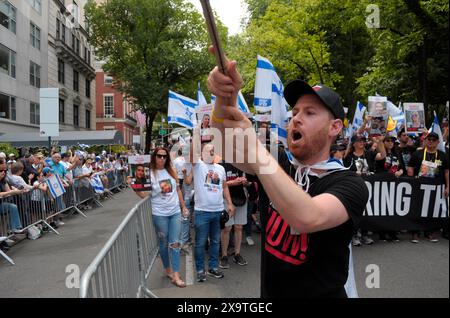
<point>122,267</point>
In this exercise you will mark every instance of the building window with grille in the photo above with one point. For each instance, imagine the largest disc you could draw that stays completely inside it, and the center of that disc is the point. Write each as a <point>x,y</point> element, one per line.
<point>108,105</point>
<point>35,75</point>
<point>75,81</point>
<point>61,73</point>
<point>76,118</point>
<point>78,47</point>
<point>88,119</point>
<point>8,15</point>
<point>34,113</point>
<point>73,42</point>
<point>7,61</point>
<point>58,29</point>
<point>108,81</point>
<point>61,111</point>
<point>36,5</point>
<point>35,36</point>
<point>63,32</point>
<point>7,107</point>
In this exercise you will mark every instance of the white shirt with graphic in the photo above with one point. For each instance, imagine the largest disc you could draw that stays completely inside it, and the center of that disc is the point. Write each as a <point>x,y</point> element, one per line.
<point>179,163</point>
<point>208,185</point>
<point>165,201</point>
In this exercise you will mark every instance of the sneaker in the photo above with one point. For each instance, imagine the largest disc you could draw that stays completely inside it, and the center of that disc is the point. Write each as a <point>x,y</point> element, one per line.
<point>59,223</point>
<point>415,238</point>
<point>215,273</point>
<point>432,238</point>
<point>366,240</point>
<point>54,225</point>
<point>356,241</point>
<point>224,262</point>
<point>201,277</point>
<point>250,241</point>
<point>238,259</point>
<point>395,238</point>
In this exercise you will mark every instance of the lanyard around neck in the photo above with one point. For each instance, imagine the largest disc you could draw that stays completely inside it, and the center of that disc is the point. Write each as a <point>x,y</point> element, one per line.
<point>425,155</point>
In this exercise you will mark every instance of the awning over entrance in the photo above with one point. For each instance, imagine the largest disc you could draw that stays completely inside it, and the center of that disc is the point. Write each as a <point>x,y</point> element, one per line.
<point>65,138</point>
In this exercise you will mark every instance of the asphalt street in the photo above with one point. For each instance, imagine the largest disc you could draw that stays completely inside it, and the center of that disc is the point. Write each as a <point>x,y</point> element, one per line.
<point>405,269</point>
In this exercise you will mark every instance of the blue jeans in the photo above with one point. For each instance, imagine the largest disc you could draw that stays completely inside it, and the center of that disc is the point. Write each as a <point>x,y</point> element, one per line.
<point>207,224</point>
<point>168,229</point>
<point>185,224</point>
<point>13,212</point>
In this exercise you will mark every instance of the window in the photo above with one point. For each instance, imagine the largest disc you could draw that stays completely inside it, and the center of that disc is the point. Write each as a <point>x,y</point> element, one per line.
<point>88,88</point>
<point>8,15</point>
<point>85,53</point>
<point>58,29</point>
<point>108,103</point>
<point>35,36</point>
<point>61,75</point>
<point>75,11</point>
<point>35,75</point>
<point>108,80</point>
<point>75,81</point>
<point>7,61</point>
<point>63,32</point>
<point>34,114</point>
<point>73,42</point>
<point>7,107</point>
<point>88,119</point>
<point>36,4</point>
<point>76,117</point>
<point>89,57</point>
<point>61,110</point>
<point>78,47</point>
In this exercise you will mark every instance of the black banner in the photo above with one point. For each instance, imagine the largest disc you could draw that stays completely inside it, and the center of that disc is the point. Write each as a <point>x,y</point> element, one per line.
<point>404,204</point>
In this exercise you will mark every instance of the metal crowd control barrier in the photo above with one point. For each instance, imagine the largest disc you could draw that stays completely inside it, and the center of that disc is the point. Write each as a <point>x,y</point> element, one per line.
<point>122,267</point>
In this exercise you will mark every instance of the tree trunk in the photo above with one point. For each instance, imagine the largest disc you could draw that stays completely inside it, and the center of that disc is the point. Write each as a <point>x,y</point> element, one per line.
<point>150,117</point>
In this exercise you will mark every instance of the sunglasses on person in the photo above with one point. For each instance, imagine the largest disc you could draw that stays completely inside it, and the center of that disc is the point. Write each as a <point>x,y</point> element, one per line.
<point>432,139</point>
<point>3,170</point>
<point>161,156</point>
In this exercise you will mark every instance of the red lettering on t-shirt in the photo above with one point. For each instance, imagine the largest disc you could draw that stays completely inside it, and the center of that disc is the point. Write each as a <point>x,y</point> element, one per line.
<point>281,243</point>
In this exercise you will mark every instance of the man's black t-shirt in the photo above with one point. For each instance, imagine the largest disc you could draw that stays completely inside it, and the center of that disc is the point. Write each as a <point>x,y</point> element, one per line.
<point>237,193</point>
<point>437,163</point>
<point>314,264</point>
<point>406,153</point>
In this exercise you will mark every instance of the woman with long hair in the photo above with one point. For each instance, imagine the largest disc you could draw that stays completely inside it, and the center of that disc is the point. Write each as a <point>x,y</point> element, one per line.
<point>166,198</point>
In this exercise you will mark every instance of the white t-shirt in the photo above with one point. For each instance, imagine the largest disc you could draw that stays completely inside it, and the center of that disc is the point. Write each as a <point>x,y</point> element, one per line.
<point>164,194</point>
<point>208,185</point>
<point>179,163</point>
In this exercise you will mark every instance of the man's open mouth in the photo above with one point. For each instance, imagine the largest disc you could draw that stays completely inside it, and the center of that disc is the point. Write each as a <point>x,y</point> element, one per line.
<point>296,136</point>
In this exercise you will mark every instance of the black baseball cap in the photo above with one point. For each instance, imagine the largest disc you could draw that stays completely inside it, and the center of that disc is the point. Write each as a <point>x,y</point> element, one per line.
<point>433,134</point>
<point>297,88</point>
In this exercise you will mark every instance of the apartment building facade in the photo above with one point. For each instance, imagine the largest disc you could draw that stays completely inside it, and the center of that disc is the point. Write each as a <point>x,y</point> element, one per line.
<point>44,43</point>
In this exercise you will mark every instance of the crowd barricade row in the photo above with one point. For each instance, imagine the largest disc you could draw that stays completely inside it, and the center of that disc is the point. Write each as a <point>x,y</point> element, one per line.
<point>37,207</point>
<point>122,267</point>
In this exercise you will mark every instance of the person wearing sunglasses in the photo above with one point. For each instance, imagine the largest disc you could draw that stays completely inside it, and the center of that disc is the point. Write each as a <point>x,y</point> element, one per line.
<point>429,162</point>
<point>167,206</point>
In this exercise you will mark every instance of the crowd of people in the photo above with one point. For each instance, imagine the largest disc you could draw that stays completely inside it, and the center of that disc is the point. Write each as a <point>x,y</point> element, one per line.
<point>25,193</point>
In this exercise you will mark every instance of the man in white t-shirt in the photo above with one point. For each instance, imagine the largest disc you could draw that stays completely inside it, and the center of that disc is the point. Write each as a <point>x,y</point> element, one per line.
<point>210,191</point>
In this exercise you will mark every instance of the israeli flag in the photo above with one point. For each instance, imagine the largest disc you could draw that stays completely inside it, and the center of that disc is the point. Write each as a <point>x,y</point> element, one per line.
<point>397,115</point>
<point>213,99</point>
<point>358,119</point>
<point>97,184</point>
<point>437,129</point>
<point>265,77</point>
<point>181,110</point>
<point>242,104</point>
<point>55,186</point>
<point>279,114</point>
<point>201,100</point>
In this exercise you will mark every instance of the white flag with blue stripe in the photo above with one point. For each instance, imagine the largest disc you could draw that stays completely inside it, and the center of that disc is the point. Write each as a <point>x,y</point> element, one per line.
<point>358,118</point>
<point>213,99</point>
<point>436,128</point>
<point>279,114</point>
<point>242,104</point>
<point>181,110</point>
<point>265,77</point>
<point>97,184</point>
<point>55,186</point>
<point>201,100</point>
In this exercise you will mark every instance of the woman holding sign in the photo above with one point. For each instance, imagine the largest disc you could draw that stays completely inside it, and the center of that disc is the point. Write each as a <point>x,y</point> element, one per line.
<point>166,199</point>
